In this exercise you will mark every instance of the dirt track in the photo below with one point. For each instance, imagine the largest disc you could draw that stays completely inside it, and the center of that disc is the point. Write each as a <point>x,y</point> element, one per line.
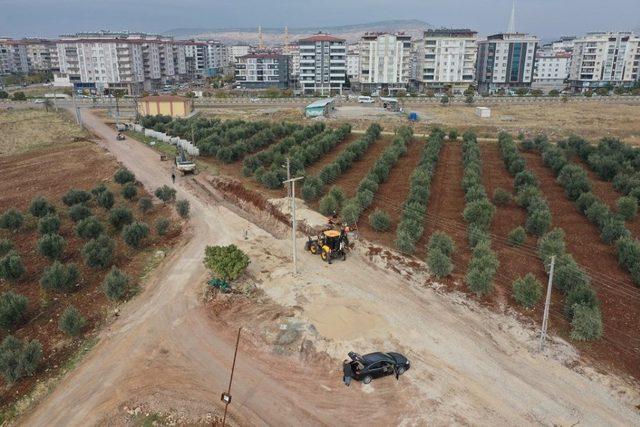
<point>470,366</point>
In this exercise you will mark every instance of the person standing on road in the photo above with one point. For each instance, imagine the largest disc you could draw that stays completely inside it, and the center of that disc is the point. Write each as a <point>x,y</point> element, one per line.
<point>173,177</point>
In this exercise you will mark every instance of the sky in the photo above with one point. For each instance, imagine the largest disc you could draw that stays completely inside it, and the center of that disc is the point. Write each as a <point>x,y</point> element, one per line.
<point>544,18</point>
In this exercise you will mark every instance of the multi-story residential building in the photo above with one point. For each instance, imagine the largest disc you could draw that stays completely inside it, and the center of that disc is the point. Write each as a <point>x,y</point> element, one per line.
<point>292,52</point>
<point>216,57</point>
<point>196,58</point>
<point>236,51</point>
<point>262,70</point>
<point>551,69</point>
<point>446,59</point>
<point>322,64</point>
<point>353,63</point>
<point>384,61</point>
<point>601,59</point>
<point>505,62</point>
<point>13,57</point>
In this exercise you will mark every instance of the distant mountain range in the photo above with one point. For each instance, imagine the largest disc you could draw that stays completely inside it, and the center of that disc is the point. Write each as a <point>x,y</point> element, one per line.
<point>274,36</point>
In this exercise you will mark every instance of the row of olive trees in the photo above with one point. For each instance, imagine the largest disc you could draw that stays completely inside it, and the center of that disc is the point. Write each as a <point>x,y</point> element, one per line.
<point>410,228</point>
<point>314,185</point>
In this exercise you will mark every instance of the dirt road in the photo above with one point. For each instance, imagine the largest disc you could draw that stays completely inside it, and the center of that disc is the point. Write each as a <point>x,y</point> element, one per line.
<point>469,365</point>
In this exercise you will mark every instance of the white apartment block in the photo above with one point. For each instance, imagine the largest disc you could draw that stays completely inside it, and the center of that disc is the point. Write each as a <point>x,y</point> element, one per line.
<point>216,57</point>
<point>446,58</point>
<point>551,69</point>
<point>13,57</point>
<point>353,66</point>
<point>196,58</point>
<point>236,51</point>
<point>385,61</point>
<point>322,64</point>
<point>601,59</point>
<point>292,51</point>
<point>506,61</point>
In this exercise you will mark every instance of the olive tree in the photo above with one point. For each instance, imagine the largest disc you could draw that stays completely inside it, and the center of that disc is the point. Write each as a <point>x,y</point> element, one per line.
<point>226,262</point>
<point>182,206</point>
<point>105,200</point>
<point>19,358</point>
<point>162,226</point>
<point>124,176</point>
<point>51,246</point>
<point>627,207</point>
<point>380,220</point>
<point>586,324</point>
<point>517,236</point>
<point>89,228</point>
<point>120,216</point>
<point>11,268</point>
<point>165,193</point>
<point>60,277</point>
<point>527,291</point>
<point>134,234</point>
<point>98,252</point>
<point>71,321</point>
<point>75,196</point>
<point>49,224</point>
<point>129,191</point>
<point>11,220</point>
<point>40,207</point>
<point>12,309</point>
<point>115,284</point>
<point>439,263</point>
<point>78,212</point>
<point>145,204</point>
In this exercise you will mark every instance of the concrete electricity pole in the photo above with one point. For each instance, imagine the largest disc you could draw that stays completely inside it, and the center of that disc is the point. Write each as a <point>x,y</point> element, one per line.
<point>547,303</point>
<point>292,196</point>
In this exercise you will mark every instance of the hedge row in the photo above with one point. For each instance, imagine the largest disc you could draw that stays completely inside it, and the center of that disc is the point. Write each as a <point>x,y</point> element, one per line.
<point>378,174</point>
<point>410,227</point>
<point>313,185</point>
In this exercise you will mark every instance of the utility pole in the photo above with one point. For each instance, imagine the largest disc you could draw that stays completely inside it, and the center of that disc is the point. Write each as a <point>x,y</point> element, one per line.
<point>288,176</point>
<point>547,303</point>
<point>226,397</point>
<point>292,196</point>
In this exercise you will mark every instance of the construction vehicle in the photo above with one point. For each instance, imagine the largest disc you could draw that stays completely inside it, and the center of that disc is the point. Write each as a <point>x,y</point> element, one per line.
<point>183,164</point>
<point>330,244</point>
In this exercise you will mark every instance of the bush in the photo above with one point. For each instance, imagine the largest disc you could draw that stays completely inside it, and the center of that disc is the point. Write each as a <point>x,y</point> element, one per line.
<point>120,216</point>
<point>271,179</point>
<point>477,236</point>
<point>574,180</point>
<point>453,135</point>
<point>182,206</point>
<point>311,188</point>
<point>628,251</point>
<point>11,268</point>
<point>440,241</point>
<point>19,358</point>
<point>550,244</point>
<point>12,309</point>
<point>5,246</point>
<point>145,204</point>
<point>404,242</point>
<point>71,321</point>
<point>527,291</point>
<point>351,211</point>
<point>123,176</point>
<point>226,262</point>
<point>49,224</point>
<point>129,191</point>
<point>75,196</point>
<point>526,195</point>
<point>627,207</point>
<point>524,179</point>
<point>89,228</point>
<point>11,220</point>
<point>40,207</point>
<point>133,234</point>
<point>585,201</point>
<point>105,200</point>
<point>162,226</point>
<point>328,205</point>
<point>19,96</point>
<point>480,213</point>
<point>59,277</point>
<point>115,284</point>
<point>51,246</point>
<point>479,280</point>
<point>165,193</point>
<point>380,220</point>
<point>501,196</point>
<point>580,295</point>
<point>517,236</point>
<point>98,252</point>
<point>78,212</point>
<point>338,194</point>
<point>538,221</point>
<point>586,324</point>
<point>98,189</point>
<point>568,274</point>
<point>439,263</point>
<point>598,213</point>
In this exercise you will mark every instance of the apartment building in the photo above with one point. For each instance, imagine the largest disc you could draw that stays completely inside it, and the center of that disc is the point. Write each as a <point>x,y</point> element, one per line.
<point>322,64</point>
<point>551,69</point>
<point>216,57</point>
<point>292,52</point>
<point>505,62</point>
<point>601,59</point>
<point>384,61</point>
<point>353,63</point>
<point>262,70</point>
<point>236,51</point>
<point>445,58</point>
<point>196,58</point>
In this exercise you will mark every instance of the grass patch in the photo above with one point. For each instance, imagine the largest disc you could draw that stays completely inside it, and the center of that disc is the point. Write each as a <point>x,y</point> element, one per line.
<point>159,146</point>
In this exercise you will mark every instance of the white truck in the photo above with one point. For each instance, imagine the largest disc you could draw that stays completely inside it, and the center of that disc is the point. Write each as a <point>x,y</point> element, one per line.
<point>183,164</point>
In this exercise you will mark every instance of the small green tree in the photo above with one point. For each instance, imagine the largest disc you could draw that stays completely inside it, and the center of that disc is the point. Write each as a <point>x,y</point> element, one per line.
<point>328,205</point>
<point>338,194</point>
<point>115,284</point>
<point>19,96</point>
<point>517,236</point>
<point>613,229</point>
<point>501,197</point>
<point>586,324</point>
<point>99,189</point>
<point>120,216</point>
<point>5,246</point>
<point>106,200</point>
<point>11,220</point>
<point>627,207</point>
<point>129,191</point>
<point>351,211</point>
<point>51,246</point>
<point>75,196</point>
<point>98,252</point>
<point>123,176</point>
<point>71,321</point>
<point>453,135</point>
<point>480,213</point>
<point>78,212</point>
<point>581,294</point>
<point>380,220</point>
<point>59,277</point>
<point>538,221</point>
<point>11,267</point>
<point>439,263</point>
<point>568,274</point>
<point>226,262</point>
<point>19,358</point>
<point>145,204</point>
<point>182,206</point>
<point>162,226</point>
<point>480,280</point>
<point>165,193</point>
<point>89,228</point>
<point>134,234</point>
<point>440,241</point>
<point>12,309</point>
<point>49,224</point>
<point>40,207</point>
<point>527,291</point>
<point>404,242</point>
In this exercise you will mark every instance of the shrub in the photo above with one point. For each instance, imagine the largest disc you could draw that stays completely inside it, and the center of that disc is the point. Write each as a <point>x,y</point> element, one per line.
<point>11,220</point>
<point>580,295</point>
<point>123,176</point>
<point>526,195</point>
<point>40,207</point>
<point>585,201</point>
<point>380,220</point>
<point>49,224</point>
<point>145,204</point>
<point>338,194</point>
<point>19,358</point>
<point>105,200</point>
<point>182,206</point>
<point>586,324</point>
<point>328,204</point>
<point>404,242</point>
<point>550,244</point>
<point>51,245</point>
<point>59,277</point>
<point>5,246</point>
<point>453,135</point>
<point>538,220</point>
<point>480,213</point>
<point>115,284</point>
<point>598,213</point>
<point>311,188</point>
<point>165,193</point>
<point>501,196</point>
<point>71,321</point>
<point>75,196</point>
<point>120,216</point>
<point>98,189</point>
<point>628,251</point>
<point>89,228</point>
<point>78,212</point>
<point>351,211</point>
<point>226,262</point>
<point>479,280</point>
<point>440,241</point>
<point>12,309</point>
<point>129,191</point>
<point>98,252</point>
<point>524,179</point>
<point>527,291</point>
<point>11,267</point>
<point>477,235</point>
<point>133,234</point>
<point>627,207</point>
<point>162,226</point>
<point>574,180</point>
<point>439,263</point>
<point>568,274</point>
<point>517,236</point>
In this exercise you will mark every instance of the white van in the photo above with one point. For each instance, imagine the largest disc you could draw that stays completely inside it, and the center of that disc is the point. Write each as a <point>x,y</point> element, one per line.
<point>365,100</point>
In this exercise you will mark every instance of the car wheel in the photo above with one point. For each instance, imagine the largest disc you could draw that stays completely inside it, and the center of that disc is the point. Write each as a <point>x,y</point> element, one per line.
<point>367,379</point>
<point>401,370</point>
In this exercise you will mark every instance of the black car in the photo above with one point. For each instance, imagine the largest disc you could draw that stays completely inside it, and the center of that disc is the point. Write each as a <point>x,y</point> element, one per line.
<point>373,365</point>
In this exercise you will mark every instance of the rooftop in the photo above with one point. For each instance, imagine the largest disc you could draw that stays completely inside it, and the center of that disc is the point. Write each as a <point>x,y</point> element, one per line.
<point>164,98</point>
<point>450,32</point>
<point>321,37</point>
<point>261,55</point>
<point>320,103</point>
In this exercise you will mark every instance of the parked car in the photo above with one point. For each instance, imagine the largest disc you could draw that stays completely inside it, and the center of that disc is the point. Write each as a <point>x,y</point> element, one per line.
<point>365,100</point>
<point>373,365</point>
